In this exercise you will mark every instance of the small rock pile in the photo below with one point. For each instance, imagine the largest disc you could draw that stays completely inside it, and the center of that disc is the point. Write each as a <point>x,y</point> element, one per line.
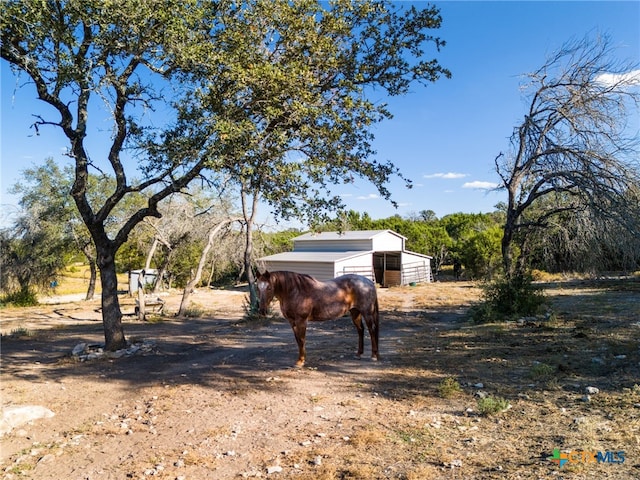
<point>83,352</point>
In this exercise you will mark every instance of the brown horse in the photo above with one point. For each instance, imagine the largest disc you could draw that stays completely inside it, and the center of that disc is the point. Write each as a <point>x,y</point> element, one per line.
<point>304,299</point>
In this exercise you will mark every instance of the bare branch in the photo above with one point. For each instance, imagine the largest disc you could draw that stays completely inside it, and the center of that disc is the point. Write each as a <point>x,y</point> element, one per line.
<point>573,151</point>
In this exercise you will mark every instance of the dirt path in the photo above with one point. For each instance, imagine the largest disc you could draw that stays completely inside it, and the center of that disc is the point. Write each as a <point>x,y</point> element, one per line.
<point>217,397</point>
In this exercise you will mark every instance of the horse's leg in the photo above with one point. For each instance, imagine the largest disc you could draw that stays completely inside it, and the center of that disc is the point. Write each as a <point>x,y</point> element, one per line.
<point>372,320</point>
<point>356,317</point>
<point>299,328</point>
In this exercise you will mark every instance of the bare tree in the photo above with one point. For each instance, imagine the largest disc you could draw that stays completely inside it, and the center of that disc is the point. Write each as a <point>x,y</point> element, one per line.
<point>169,232</point>
<point>585,242</point>
<point>191,284</point>
<point>574,151</point>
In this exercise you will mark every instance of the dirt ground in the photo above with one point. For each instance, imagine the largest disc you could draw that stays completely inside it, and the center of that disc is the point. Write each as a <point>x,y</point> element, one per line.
<point>216,396</point>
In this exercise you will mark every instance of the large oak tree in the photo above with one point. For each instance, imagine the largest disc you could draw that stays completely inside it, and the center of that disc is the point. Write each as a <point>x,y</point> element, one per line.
<point>236,87</point>
<point>298,84</point>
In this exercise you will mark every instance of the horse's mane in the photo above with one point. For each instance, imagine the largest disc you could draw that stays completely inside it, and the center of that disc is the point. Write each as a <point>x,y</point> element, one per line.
<point>292,280</point>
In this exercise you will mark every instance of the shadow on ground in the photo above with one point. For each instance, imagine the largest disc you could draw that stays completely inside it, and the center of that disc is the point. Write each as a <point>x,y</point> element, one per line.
<point>418,349</point>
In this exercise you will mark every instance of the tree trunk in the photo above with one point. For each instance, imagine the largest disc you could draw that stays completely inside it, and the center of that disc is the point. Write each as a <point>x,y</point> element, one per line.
<point>159,283</point>
<point>85,246</point>
<point>515,250</point>
<point>111,314</point>
<point>147,264</point>
<point>93,270</point>
<point>249,217</point>
<point>509,234</point>
<point>142,307</point>
<point>248,251</point>
<point>152,251</point>
<point>93,274</point>
<point>507,256</point>
<point>211,272</point>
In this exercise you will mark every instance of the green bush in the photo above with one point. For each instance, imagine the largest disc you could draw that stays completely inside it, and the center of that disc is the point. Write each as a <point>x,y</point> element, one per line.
<point>24,297</point>
<point>509,299</point>
<point>492,405</point>
<point>449,387</point>
<point>541,371</point>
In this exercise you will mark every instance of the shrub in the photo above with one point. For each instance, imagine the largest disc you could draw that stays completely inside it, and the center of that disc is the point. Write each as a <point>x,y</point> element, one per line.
<point>508,299</point>
<point>194,311</point>
<point>25,297</point>
<point>492,405</point>
<point>541,371</point>
<point>252,315</point>
<point>449,387</point>
<point>19,332</point>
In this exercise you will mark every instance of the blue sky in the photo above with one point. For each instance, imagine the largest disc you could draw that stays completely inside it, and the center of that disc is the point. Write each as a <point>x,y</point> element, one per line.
<point>443,136</point>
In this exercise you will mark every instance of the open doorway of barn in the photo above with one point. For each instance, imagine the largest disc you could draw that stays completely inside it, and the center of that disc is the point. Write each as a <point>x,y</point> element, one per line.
<point>387,268</point>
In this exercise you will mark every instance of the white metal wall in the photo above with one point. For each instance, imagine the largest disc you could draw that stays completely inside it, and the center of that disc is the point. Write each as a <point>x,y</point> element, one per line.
<point>332,245</point>
<point>387,242</point>
<point>415,268</point>
<point>360,264</point>
<point>322,271</point>
<point>383,241</point>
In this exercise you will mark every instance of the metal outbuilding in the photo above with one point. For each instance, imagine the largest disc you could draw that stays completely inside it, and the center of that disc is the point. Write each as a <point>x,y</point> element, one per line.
<point>377,254</point>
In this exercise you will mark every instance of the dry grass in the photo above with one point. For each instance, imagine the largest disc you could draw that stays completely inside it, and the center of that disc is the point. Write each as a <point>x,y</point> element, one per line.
<point>418,415</point>
<point>75,279</point>
<point>367,437</point>
<point>540,370</point>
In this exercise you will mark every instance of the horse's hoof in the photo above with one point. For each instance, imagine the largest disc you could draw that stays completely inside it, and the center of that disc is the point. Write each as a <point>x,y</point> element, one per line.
<point>374,359</point>
<point>299,364</point>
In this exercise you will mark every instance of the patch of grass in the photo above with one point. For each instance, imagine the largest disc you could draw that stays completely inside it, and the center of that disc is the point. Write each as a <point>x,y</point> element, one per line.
<point>412,436</point>
<point>492,405</point>
<point>21,469</point>
<point>551,321</point>
<point>361,471</point>
<point>367,437</point>
<point>156,318</point>
<point>21,298</point>
<point>541,371</point>
<point>194,311</point>
<point>547,277</point>
<point>420,472</point>
<point>315,399</point>
<point>75,279</point>
<point>220,431</point>
<point>19,332</point>
<point>196,459</point>
<point>449,387</point>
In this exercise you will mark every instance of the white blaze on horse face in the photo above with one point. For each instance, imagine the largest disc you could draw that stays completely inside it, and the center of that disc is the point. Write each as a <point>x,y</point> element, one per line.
<point>262,286</point>
<point>263,291</point>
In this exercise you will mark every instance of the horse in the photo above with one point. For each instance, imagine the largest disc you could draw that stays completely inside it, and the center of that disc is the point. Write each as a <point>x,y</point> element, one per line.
<point>305,299</point>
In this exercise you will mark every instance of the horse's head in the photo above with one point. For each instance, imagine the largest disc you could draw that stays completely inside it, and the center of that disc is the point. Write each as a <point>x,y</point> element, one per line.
<point>266,292</point>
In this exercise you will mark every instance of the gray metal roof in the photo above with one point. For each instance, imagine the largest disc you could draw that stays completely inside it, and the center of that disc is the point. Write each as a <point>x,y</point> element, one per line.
<point>314,257</point>
<point>348,235</point>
